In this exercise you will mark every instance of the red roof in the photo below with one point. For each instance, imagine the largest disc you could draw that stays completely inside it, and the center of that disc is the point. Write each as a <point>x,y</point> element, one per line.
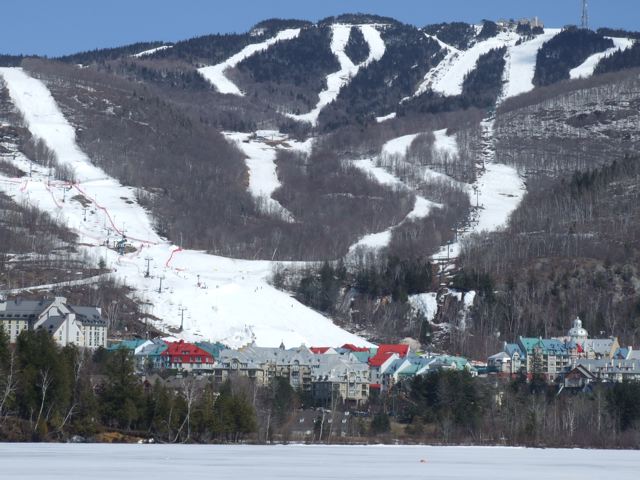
<point>402,350</point>
<point>319,350</point>
<point>353,348</point>
<point>184,352</point>
<point>379,358</point>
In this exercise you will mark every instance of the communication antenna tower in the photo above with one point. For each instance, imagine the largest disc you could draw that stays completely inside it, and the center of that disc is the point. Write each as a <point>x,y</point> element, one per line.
<point>585,14</point>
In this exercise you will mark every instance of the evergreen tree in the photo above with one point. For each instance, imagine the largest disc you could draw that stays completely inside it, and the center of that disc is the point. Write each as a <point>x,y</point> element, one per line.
<point>121,395</point>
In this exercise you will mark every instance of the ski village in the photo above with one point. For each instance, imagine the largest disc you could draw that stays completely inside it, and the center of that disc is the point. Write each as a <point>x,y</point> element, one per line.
<point>348,231</point>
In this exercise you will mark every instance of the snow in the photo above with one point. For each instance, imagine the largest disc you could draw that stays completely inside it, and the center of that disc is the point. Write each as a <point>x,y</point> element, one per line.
<point>379,174</point>
<point>384,118</point>
<point>263,177</point>
<point>443,45</point>
<point>521,64</point>
<point>588,67</point>
<point>151,51</point>
<point>469,298</point>
<point>448,80</point>
<point>399,145</point>
<point>445,143</point>
<point>336,81</point>
<point>421,208</point>
<point>227,300</point>
<point>425,303</point>
<point>215,74</point>
<point>439,70</point>
<point>498,191</point>
<point>158,462</point>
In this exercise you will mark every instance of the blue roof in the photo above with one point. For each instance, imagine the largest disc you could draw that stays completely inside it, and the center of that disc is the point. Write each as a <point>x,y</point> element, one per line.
<point>511,348</point>
<point>622,353</point>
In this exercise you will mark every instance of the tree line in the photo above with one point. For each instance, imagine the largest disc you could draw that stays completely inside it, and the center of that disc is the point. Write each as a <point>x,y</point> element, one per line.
<point>48,393</point>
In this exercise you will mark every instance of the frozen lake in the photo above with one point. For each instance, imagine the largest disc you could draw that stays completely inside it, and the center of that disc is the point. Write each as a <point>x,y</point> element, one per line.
<point>154,462</point>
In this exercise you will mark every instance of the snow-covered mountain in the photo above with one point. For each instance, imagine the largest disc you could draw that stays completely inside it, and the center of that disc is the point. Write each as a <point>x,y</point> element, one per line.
<point>226,160</point>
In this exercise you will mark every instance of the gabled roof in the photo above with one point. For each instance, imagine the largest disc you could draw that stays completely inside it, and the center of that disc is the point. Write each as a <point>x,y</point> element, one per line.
<point>18,308</point>
<point>319,350</point>
<point>511,348</point>
<point>622,353</point>
<point>184,348</point>
<point>362,356</point>
<point>52,323</point>
<point>213,348</point>
<point>402,350</point>
<point>600,346</point>
<point>153,349</point>
<point>353,348</point>
<point>87,315</point>
<point>583,371</point>
<point>127,344</point>
<point>379,359</point>
<point>549,346</point>
<point>447,360</point>
<point>500,356</point>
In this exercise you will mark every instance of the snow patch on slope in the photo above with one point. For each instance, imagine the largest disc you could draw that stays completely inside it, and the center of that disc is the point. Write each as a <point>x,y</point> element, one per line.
<point>421,207</point>
<point>498,191</point>
<point>399,145</point>
<point>588,67</point>
<point>439,70</point>
<point>263,176</point>
<point>384,118</point>
<point>338,80</point>
<point>521,64</point>
<point>445,143</point>
<point>448,80</point>
<point>215,74</point>
<point>151,51</point>
<point>447,77</point>
<point>227,300</point>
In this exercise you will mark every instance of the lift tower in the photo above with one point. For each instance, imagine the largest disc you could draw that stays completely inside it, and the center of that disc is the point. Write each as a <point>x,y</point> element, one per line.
<point>585,14</point>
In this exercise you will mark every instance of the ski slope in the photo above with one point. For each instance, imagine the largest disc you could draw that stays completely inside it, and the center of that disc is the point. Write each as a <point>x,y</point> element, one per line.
<point>496,194</point>
<point>227,300</point>
<point>436,73</point>
<point>399,145</point>
<point>421,207</point>
<point>151,51</point>
<point>448,81</point>
<point>443,144</point>
<point>588,67</point>
<point>336,81</point>
<point>263,177</point>
<point>499,187</point>
<point>215,74</point>
<point>520,64</point>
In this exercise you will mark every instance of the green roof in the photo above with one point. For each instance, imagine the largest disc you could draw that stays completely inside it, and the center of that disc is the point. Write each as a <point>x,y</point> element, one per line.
<point>212,348</point>
<point>411,370</point>
<point>126,345</point>
<point>362,356</point>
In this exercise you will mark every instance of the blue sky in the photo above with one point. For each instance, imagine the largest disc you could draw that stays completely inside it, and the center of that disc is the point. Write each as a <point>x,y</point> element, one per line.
<point>57,27</point>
